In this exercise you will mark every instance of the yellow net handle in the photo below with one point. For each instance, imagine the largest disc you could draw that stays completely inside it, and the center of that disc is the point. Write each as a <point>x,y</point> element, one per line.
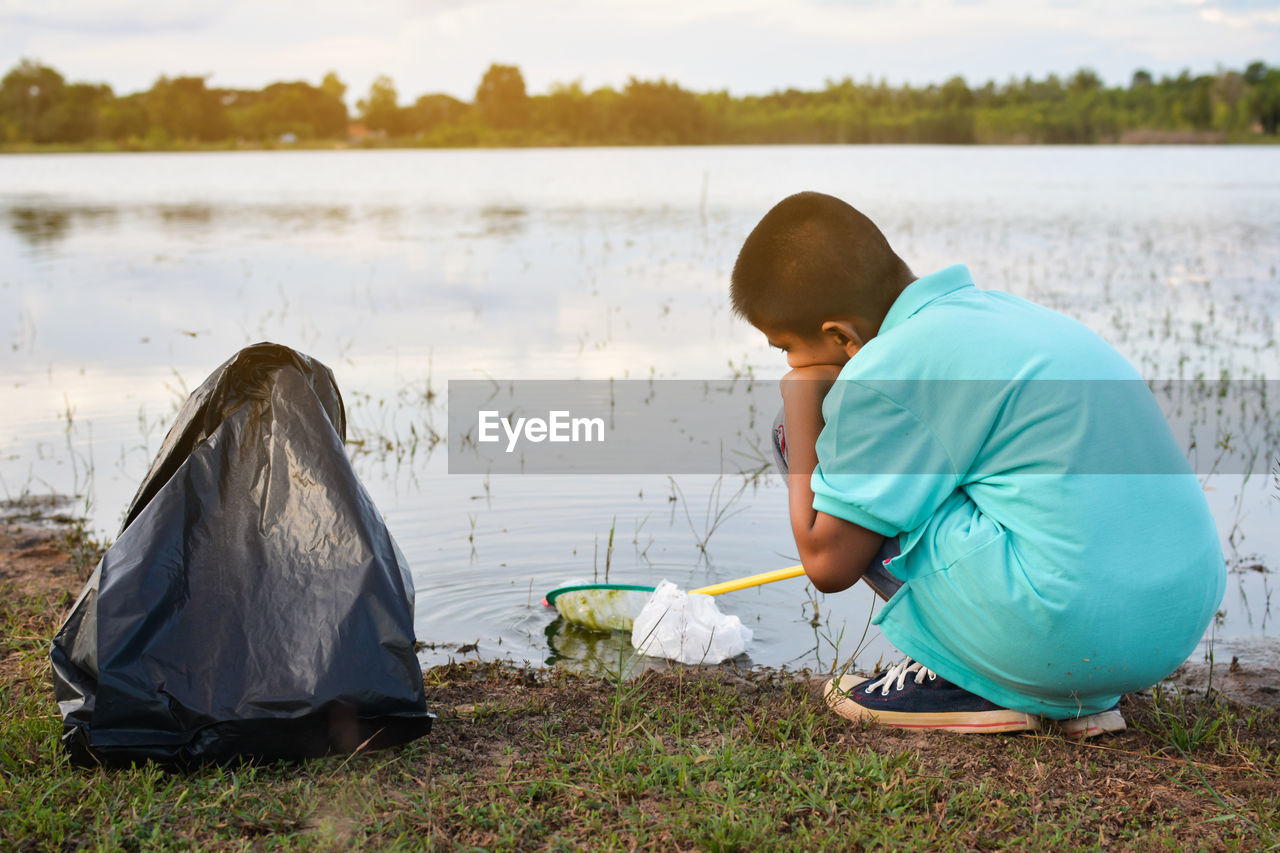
<point>752,580</point>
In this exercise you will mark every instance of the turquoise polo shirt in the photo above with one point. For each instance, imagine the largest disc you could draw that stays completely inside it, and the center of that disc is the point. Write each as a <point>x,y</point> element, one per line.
<point>1057,550</point>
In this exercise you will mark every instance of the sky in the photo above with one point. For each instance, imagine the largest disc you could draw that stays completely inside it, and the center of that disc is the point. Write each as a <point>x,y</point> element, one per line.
<point>744,46</point>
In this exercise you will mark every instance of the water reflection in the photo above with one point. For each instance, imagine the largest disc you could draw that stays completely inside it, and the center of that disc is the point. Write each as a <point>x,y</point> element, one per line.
<point>42,222</point>
<point>503,221</point>
<point>198,215</point>
<point>41,225</point>
<point>594,652</point>
<point>607,654</point>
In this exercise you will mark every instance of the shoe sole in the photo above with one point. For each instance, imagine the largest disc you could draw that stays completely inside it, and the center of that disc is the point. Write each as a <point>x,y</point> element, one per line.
<point>1092,725</point>
<point>973,722</point>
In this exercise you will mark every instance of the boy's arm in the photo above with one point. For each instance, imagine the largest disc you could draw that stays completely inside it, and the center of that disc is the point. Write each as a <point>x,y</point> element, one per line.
<point>835,552</point>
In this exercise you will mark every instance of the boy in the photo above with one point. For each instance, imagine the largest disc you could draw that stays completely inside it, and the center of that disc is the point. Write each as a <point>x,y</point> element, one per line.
<point>1056,550</point>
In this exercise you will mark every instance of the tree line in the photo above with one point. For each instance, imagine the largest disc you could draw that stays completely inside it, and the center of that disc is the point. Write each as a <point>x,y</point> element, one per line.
<point>38,107</point>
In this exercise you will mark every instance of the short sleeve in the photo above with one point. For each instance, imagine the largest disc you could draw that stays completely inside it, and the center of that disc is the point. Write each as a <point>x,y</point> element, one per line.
<point>879,465</point>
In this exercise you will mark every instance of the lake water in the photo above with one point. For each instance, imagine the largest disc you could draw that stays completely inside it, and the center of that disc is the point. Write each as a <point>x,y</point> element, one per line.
<point>125,279</point>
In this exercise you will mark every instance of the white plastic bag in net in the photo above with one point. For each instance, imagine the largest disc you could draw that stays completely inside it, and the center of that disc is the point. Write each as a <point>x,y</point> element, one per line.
<point>687,627</point>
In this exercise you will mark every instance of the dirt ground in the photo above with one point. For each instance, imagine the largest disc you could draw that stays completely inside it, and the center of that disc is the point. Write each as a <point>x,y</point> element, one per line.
<point>1244,671</point>
<point>42,553</point>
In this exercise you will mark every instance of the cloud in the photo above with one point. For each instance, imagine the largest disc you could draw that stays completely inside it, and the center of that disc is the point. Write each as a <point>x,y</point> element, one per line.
<point>1248,18</point>
<point>742,45</point>
<point>1247,5</point>
<point>108,17</point>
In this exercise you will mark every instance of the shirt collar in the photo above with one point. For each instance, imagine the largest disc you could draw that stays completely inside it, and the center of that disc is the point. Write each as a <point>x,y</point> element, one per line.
<point>924,290</point>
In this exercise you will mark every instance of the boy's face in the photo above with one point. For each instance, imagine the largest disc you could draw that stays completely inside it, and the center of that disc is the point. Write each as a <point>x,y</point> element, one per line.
<point>835,343</point>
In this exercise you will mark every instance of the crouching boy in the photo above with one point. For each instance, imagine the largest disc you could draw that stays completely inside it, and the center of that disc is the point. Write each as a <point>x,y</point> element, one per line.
<point>1053,546</point>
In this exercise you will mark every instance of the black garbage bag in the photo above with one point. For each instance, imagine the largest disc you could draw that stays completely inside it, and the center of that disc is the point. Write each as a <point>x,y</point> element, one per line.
<point>254,604</point>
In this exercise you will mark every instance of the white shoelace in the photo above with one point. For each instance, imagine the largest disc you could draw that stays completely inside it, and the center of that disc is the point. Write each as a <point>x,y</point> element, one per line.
<point>899,672</point>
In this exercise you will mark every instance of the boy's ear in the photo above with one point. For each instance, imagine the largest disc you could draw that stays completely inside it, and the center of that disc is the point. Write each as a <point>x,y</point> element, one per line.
<point>844,334</point>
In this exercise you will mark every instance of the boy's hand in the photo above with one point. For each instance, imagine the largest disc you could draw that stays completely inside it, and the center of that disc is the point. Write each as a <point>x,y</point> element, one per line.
<point>805,386</point>
<point>835,552</point>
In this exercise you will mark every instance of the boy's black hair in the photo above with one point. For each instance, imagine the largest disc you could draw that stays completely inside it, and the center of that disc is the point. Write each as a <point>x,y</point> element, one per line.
<point>814,257</point>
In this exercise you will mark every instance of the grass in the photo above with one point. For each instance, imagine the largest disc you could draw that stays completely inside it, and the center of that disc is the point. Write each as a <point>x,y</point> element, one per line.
<point>706,759</point>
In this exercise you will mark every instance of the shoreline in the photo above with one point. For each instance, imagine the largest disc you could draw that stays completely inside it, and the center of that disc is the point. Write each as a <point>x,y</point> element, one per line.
<point>1153,139</point>
<point>44,549</point>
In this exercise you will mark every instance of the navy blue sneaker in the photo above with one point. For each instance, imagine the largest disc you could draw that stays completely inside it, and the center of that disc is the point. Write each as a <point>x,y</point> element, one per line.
<point>910,696</point>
